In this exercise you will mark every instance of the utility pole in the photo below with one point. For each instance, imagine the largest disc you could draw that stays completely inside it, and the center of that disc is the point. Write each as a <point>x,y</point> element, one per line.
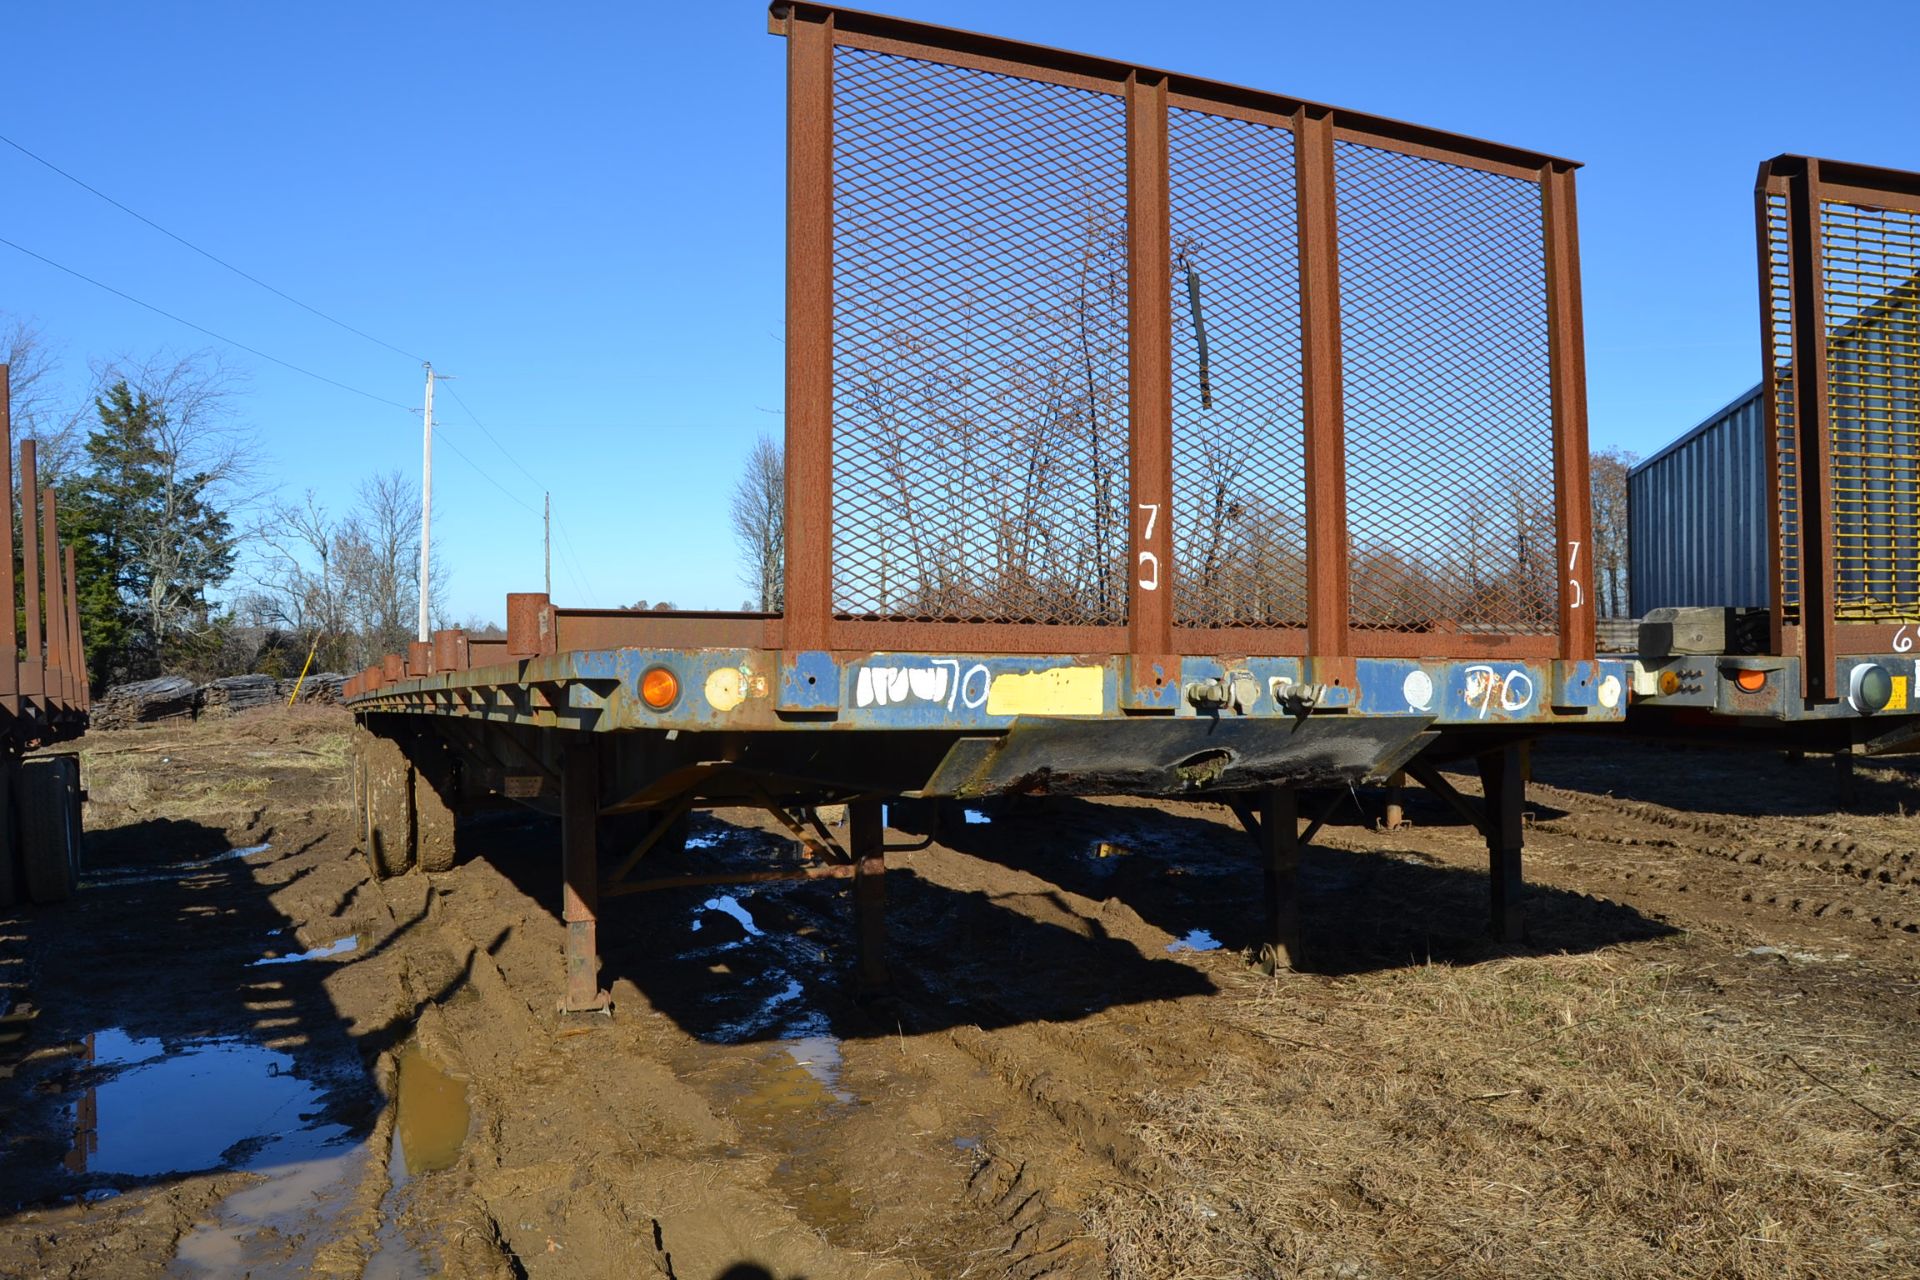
<point>549,546</point>
<point>426,500</point>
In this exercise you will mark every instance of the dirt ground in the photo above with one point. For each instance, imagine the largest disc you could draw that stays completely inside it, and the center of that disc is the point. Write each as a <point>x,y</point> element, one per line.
<point>1705,1061</point>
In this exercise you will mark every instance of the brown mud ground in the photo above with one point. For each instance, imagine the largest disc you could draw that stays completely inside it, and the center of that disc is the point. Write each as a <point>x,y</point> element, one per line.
<point>1704,1062</point>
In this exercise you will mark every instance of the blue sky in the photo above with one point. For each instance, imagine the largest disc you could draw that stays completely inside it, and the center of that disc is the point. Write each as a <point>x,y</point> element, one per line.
<point>578,211</point>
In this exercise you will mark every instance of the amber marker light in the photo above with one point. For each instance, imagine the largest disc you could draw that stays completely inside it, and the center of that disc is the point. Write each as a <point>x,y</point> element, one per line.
<point>659,689</point>
<point>1750,681</point>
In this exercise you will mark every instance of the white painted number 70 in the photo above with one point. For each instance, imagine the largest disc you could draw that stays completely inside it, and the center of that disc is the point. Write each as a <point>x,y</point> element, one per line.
<point>1149,562</point>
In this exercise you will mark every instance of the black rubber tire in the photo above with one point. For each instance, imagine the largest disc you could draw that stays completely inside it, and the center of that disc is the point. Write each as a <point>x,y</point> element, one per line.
<point>433,818</point>
<point>46,829</point>
<point>389,809</point>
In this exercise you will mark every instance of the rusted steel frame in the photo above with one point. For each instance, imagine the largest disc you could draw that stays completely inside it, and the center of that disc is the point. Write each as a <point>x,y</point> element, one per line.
<point>668,816</point>
<point>986,637</point>
<point>1431,779</point>
<point>827,871</point>
<point>1811,429</point>
<point>1149,394</point>
<point>576,629</point>
<point>857,29</point>
<point>1280,642</point>
<point>530,631</point>
<point>1451,645</point>
<point>76,650</point>
<point>485,653</point>
<point>33,669</point>
<point>808,599</point>
<point>1866,184</point>
<point>56,605</point>
<point>1566,342</point>
<point>1767,184</point>
<point>579,823</point>
<point>826,850</point>
<point>10,651</point>
<point>450,650</point>
<point>1323,392</point>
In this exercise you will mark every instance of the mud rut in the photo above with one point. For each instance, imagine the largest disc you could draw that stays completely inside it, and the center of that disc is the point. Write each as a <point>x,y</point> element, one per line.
<point>741,1115</point>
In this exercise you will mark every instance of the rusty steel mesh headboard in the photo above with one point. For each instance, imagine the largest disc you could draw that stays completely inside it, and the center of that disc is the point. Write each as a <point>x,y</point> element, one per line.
<point>1114,350</point>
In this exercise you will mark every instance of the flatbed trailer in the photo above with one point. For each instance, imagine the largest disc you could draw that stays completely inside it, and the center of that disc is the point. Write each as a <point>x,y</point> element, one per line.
<point>1777,545</point>
<point>44,697</point>
<point>1145,435</point>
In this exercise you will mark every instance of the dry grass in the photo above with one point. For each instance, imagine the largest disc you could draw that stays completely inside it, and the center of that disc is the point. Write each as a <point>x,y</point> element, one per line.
<point>1531,1117</point>
<point>220,767</point>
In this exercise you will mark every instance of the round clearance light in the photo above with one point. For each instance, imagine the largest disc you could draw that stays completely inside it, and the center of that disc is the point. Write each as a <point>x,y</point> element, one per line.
<point>1869,688</point>
<point>1750,681</point>
<point>659,688</point>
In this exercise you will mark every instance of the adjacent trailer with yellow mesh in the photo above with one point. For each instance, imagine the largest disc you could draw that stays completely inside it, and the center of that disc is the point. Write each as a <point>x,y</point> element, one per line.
<point>1776,547</point>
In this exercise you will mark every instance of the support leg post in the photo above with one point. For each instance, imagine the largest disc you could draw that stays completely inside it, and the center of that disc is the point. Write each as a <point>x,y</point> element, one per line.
<point>1845,790</point>
<point>1280,853</point>
<point>867,836</point>
<point>1396,800</point>
<point>580,890</point>
<point>1502,777</point>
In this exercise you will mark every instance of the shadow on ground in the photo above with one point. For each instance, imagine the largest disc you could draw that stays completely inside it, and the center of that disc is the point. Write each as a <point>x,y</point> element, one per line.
<point>151,1029</point>
<point>1035,934</point>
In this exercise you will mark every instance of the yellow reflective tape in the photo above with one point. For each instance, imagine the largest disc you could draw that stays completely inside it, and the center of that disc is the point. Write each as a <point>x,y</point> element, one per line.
<point>1058,691</point>
<point>1898,702</point>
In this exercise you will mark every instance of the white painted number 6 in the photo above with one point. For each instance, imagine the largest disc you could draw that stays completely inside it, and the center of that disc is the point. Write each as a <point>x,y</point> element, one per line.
<point>1902,641</point>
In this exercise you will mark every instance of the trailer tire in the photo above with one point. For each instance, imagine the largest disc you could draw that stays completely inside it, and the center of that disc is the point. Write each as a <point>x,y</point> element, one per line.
<point>48,841</point>
<point>389,781</point>
<point>433,817</point>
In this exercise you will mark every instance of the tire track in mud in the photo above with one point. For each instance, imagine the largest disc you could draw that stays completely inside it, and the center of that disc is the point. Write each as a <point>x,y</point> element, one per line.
<point>1783,865</point>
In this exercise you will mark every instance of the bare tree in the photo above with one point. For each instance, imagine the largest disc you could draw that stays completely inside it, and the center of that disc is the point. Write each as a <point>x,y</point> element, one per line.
<point>348,580</point>
<point>37,414</point>
<point>1608,470</point>
<point>760,523</point>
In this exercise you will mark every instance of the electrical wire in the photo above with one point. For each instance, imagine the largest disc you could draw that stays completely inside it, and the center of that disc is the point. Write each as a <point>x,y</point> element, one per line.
<point>210,257</point>
<point>200,328</point>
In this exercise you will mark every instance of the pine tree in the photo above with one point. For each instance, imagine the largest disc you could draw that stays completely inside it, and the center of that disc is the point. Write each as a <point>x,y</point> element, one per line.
<point>149,544</point>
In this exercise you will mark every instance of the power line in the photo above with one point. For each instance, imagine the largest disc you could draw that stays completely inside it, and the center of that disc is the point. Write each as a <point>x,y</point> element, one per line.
<point>505,452</point>
<point>200,328</point>
<point>210,257</point>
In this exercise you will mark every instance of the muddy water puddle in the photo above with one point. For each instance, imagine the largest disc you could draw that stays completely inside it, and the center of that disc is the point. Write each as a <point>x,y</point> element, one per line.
<point>340,946</point>
<point>782,1077</point>
<point>155,1108</point>
<point>164,873</point>
<point>431,1119</point>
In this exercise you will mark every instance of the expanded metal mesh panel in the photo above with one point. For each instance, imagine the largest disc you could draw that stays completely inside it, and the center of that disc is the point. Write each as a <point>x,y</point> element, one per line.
<point>1449,405</point>
<point>980,346</point>
<point>1779,338</point>
<point>1239,487</point>
<point>1871,286</point>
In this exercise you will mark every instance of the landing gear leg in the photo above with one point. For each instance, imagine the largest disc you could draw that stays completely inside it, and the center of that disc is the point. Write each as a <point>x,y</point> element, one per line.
<point>580,892</point>
<point>867,836</point>
<point>1503,779</point>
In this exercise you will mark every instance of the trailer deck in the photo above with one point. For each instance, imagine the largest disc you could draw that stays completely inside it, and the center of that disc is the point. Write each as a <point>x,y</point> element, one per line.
<point>1144,435</point>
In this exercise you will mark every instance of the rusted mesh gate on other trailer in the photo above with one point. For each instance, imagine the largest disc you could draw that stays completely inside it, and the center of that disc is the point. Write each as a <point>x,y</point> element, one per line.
<point>1840,299</point>
<point>1087,357</point>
